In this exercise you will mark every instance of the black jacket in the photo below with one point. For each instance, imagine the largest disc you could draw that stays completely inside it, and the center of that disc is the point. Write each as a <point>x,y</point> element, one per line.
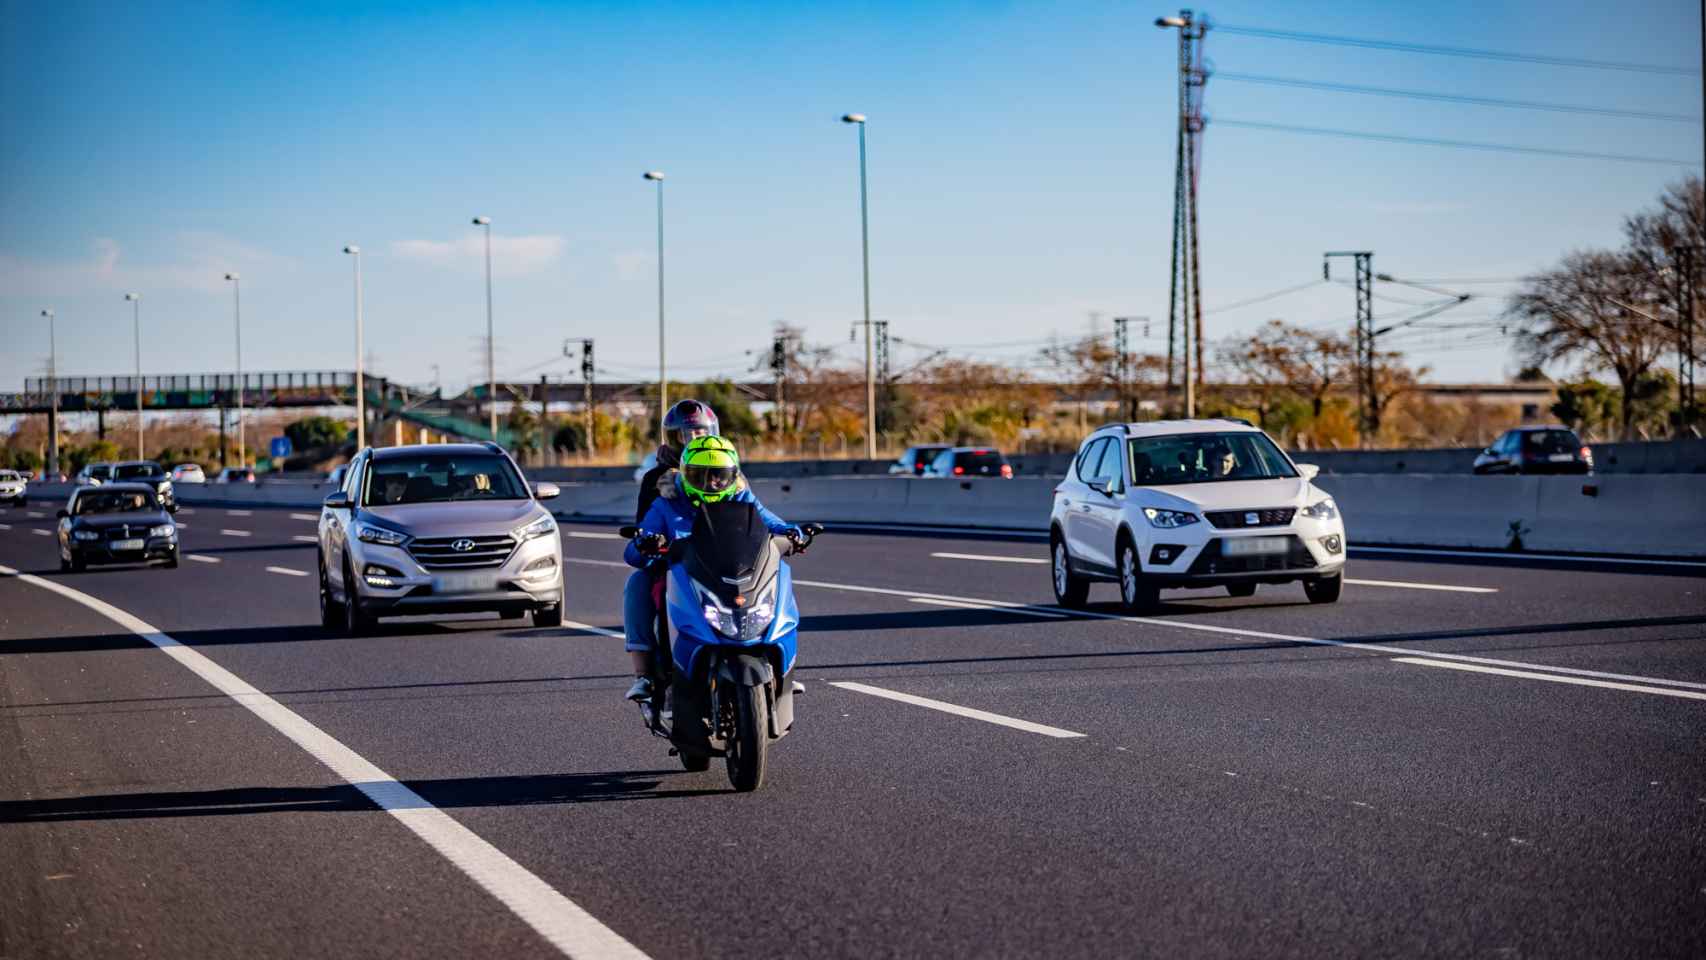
<point>649,490</point>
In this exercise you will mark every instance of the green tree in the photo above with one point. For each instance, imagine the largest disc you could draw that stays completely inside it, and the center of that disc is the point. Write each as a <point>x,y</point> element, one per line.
<point>734,409</point>
<point>312,432</point>
<point>1588,406</point>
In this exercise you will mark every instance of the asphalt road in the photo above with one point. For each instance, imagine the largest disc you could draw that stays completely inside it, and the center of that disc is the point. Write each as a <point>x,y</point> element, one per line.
<point>1513,766</point>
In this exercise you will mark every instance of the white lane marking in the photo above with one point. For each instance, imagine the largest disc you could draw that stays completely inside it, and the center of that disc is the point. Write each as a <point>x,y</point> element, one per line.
<point>185,510</point>
<point>596,563</point>
<point>304,538</point>
<point>1261,635</point>
<point>34,515</point>
<point>1531,675</point>
<point>589,628</point>
<point>198,558</point>
<point>989,557</point>
<point>287,571</point>
<point>305,516</point>
<point>239,513</point>
<point>584,535</point>
<point>1421,586</point>
<point>1492,555</point>
<point>553,916</point>
<point>986,606</point>
<point>957,710</point>
<point>42,533</point>
<point>180,523</point>
<point>235,533</point>
<point>5,526</point>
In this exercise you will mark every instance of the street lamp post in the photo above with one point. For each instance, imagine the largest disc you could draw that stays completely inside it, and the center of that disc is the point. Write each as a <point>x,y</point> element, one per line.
<point>491,345</point>
<point>136,315</point>
<point>663,383</point>
<point>360,390</point>
<point>858,119</point>
<point>53,408</point>
<point>237,307</point>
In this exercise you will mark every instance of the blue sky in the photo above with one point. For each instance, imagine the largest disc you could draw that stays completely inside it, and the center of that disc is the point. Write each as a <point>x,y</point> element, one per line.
<point>1020,160</point>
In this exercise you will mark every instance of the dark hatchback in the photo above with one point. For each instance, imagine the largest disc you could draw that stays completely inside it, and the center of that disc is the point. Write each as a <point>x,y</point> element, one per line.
<point>970,462</point>
<point>1536,450</point>
<point>116,523</point>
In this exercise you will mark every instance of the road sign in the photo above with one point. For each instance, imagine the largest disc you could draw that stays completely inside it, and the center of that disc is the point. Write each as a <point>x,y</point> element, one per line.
<point>280,447</point>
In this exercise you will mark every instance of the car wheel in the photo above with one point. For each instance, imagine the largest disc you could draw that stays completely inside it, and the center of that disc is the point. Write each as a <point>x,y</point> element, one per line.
<point>331,617</point>
<point>1241,589</point>
<point>64,564</point>
<point>172,561</point>
<point>356,622</point>
<point>1070,590</point>
<point>77,564</point>
<point>551,616</point>
<point>1137,593</point>
<point>1324,589</point>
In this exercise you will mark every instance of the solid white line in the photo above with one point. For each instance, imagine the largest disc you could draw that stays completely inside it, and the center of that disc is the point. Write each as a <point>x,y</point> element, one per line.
<point>42,533</point>
<point>1258,634</point>
<point>287,571</point>
<point>1530,675</point>
<point>235,533</point>
<point>553,916</point>
<point>305,516</point>
<point>584,535</point>
<point>984,606</point>
<point>1493,555</point>
<point>198,558</point>
<point>1421,586</point>
<point>994,559</point>
<point>304,538</point>
<point>589,628</point>
<point>239,513</point>
<point>957,710</point>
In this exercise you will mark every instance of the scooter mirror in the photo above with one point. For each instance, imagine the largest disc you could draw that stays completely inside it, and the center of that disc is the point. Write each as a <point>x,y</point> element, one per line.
<point>629,532</point>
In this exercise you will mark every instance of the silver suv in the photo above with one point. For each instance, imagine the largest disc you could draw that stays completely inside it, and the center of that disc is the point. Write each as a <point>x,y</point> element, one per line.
<point>438,528</point>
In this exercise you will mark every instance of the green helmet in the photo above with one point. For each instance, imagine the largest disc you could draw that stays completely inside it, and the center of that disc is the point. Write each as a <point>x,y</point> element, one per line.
<point>710,469</point>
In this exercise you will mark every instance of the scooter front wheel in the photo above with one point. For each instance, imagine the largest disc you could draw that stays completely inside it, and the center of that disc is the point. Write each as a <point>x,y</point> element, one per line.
<point>746,753</point>
<point>695,762</point>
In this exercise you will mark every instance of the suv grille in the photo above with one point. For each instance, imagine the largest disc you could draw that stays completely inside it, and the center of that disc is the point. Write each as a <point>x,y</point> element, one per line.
<point>1238,519</point>
<point>437,553</point>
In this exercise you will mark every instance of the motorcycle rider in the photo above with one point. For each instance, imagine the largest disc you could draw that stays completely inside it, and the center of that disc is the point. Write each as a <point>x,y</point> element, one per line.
<point>685,422</point>
<point>709,473</point>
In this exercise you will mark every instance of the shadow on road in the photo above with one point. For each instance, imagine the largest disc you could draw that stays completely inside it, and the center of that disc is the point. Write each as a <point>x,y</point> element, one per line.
<point>457,792</point>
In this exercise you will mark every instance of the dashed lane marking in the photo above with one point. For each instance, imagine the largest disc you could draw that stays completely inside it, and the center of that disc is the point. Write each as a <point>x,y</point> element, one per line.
<point>239,513</point>
<point>235,533</point>
<point>589,628</point>
<point>42,533</point>
<point>34,515</point>
<point>588,535</point>
<point>198,558</point>
<point>5,526</point>
<point>989,557</point>
<point>287,571</point>
<point>988,606</point>
<point>958,710</point>
<point>1531,675</point>
<point>304,538</point>
<point>1450,588</point>
<point>561,921</point>
<point>305,516</point>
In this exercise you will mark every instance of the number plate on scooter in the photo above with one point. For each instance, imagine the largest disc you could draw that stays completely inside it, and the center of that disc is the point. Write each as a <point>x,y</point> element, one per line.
<point>1254,546</point>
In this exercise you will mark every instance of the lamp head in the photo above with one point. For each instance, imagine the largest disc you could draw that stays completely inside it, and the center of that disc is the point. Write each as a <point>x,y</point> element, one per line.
<point>853,118</point>
<point>1165,22</point>
<point>231,276</point>
<point>482,221</point>
<point>654,175</point>
<point>352,248</point>
<point>47,313</point>
<point>133,296</point>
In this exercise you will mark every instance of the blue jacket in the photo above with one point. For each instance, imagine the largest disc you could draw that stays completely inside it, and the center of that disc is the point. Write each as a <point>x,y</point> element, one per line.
<point>673,517</point>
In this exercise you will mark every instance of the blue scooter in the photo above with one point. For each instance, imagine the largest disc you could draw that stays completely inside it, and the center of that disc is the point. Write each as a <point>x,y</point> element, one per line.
<point>727,688</point>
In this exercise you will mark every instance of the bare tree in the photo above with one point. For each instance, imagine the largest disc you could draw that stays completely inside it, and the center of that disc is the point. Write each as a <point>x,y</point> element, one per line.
<point>1307,362</point>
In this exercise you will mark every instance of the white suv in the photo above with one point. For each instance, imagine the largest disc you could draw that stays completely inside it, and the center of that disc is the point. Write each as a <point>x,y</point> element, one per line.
<point>1191,503</point>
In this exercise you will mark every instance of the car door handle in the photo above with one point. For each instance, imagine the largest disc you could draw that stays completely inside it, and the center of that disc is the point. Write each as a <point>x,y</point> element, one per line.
<point>1084,507</point>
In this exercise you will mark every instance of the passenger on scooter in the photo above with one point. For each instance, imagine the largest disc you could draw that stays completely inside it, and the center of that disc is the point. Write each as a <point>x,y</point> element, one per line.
<point>685,422</point>
<point>710,473</point>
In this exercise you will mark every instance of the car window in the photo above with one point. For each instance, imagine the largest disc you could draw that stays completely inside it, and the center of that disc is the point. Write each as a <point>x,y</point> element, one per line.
<point>8,475</point>
<point>944,462</point>
<point>138,471</point>
<point>440,477</point>
<point>1207,458</point>
<point>103,501</point>
<point>1090,458</point>
<point>352,476</point>
<point>921,456</point>
<point>1547,442</point>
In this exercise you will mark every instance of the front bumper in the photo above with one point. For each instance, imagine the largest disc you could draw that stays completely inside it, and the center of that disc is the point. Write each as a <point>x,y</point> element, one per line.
<point>100,552</point>
<point>1203,555</point>
<point>410,588</point>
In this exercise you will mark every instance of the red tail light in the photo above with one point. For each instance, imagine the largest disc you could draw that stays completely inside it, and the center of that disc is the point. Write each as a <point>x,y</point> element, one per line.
<point>959,470</point>
<point>1007,471</point>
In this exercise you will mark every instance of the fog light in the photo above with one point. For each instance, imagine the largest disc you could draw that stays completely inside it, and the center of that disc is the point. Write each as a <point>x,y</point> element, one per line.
<point>1165,553</point>
<point>379,576</point>
<point>539,568</point>
<point>1333,543</point>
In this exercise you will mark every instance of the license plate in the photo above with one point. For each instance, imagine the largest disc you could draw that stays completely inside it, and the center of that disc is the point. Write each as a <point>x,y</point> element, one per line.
<point>464,582</point>
<point>1561,457</point>
<point>1251,546</point>
<point>127,544</point>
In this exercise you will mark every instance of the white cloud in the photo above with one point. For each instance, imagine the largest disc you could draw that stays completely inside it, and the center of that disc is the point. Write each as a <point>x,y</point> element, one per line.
<point>200,264</point>
<point>511,256</point>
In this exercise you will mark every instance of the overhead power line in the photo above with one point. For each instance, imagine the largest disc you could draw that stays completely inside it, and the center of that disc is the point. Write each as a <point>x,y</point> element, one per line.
<point>1459,144</point>
<point>1468,52</point>
<point>1263,298</point>
<point>1452,97</point>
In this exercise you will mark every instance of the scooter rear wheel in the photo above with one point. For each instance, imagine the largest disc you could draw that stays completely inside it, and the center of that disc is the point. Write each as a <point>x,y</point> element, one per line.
<point>752,737</point>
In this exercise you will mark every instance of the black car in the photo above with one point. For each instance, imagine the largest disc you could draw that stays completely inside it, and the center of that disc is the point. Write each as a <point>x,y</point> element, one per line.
<point>1536,450</point>
<point>116,523</point>
<point>970,462</point>
<point>914,461</point>
<point>149,472</point>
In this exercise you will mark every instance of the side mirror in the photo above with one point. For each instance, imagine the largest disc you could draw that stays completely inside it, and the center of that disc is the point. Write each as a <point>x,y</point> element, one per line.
<point>1309,471</point>
<point>546,491</point>
<point>1102,487</point>
<point>629,532</point>
<point>337,501</point>
<point>62,513</point>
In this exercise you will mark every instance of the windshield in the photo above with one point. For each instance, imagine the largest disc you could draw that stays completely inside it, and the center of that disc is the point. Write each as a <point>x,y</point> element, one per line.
<point>138,471</point>
<point>1206,458</point>
<point>1550,441</point>
<point>7,475</point>
<point>113,501</point>
<point>432,478</point>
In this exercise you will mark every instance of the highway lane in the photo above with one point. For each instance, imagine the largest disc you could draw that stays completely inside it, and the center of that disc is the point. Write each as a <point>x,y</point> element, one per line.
<point>1233,794</point>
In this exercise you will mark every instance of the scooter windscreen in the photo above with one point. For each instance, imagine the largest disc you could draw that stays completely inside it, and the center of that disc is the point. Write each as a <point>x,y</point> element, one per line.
<point>730,549</point>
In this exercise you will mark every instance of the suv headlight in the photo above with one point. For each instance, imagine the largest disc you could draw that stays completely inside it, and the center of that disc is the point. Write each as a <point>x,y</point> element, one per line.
<point>542,527</point>
<point>1325,510</point>
<point>163,530</point>
<point>368,533</point>
<point>1169,518</point>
